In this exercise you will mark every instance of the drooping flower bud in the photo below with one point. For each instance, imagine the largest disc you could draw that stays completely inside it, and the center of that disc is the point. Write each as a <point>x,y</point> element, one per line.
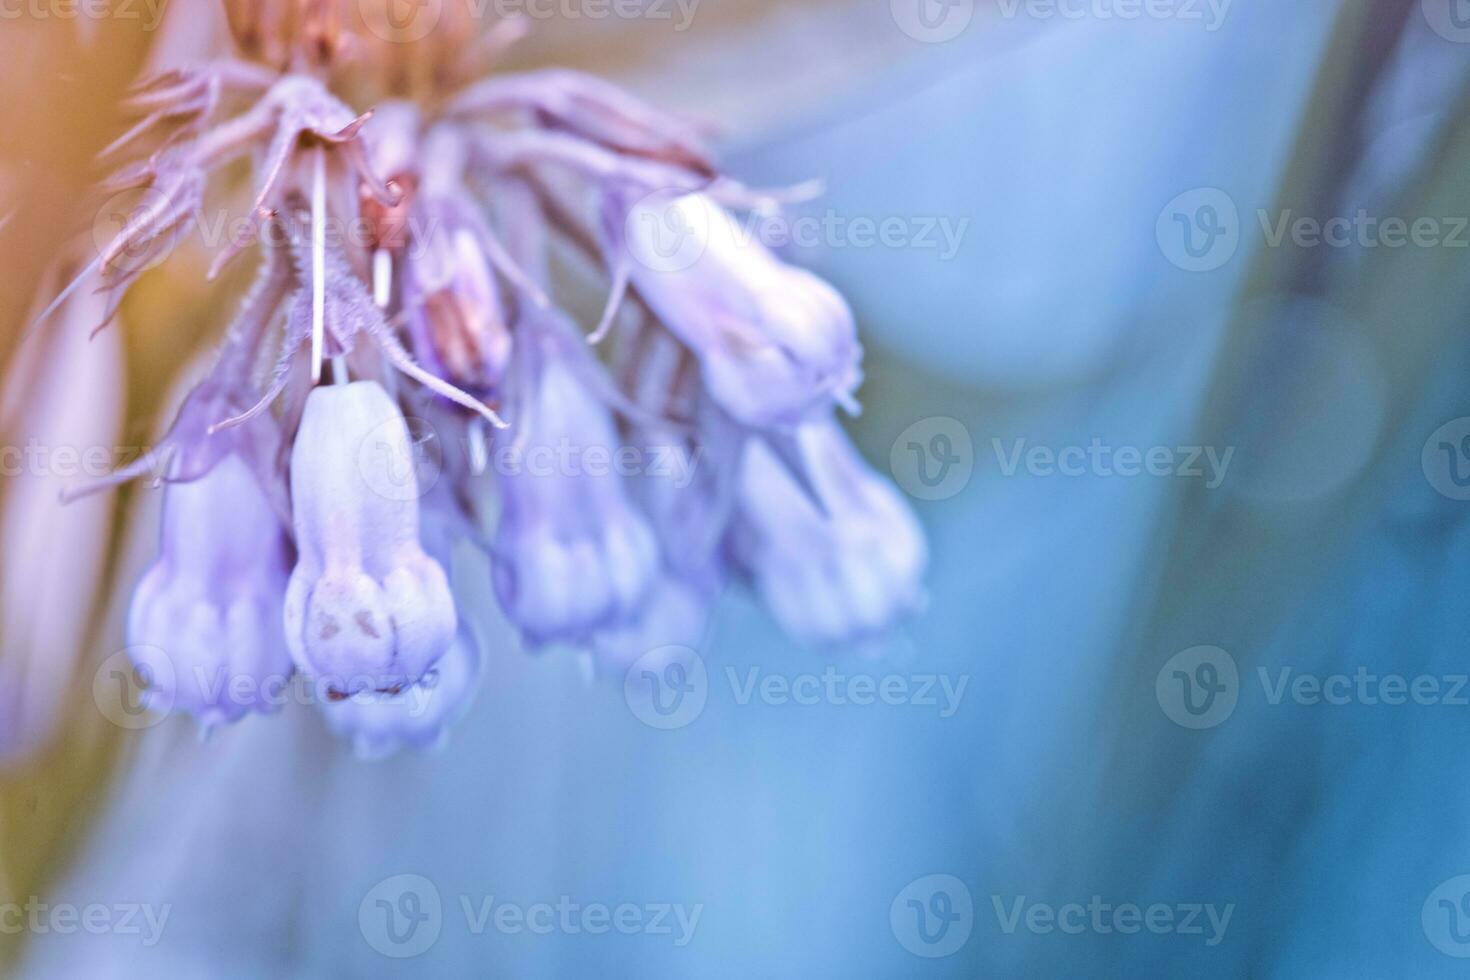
<point>454,309</point>
<point>392,136</point>
<point>831,578</point>
<point>591,108</point>
<point>205,622</point>
<point>416,718</point>
<point>572,555</point>
<point>775,343</point>
<point>366,608</point>
<point>451,299</point>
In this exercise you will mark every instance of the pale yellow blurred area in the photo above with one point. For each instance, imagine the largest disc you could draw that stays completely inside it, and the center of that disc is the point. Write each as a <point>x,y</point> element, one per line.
<point>752,65</point>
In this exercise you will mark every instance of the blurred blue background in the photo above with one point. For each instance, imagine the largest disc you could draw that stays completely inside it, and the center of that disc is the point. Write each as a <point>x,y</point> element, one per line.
<point>1116,282</point>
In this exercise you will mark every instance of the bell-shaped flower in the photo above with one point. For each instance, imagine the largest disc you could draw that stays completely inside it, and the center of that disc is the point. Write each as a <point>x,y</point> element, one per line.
<point>204,626</point>
<point>416,718</point>
<point>836,577</point>
<point>776,344</point>
<point>366,608</point>
<point>571,553</point>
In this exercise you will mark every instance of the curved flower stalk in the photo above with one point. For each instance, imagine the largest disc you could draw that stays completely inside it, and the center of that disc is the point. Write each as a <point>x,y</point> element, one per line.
<point>404,354</point>
<point>837,577</point>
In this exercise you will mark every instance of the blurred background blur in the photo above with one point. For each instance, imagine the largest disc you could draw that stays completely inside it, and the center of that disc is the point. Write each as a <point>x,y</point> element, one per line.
<point>1164,303</point>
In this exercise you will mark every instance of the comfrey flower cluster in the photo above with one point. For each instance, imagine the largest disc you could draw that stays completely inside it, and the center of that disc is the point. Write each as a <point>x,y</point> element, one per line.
<point>387,387</point>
